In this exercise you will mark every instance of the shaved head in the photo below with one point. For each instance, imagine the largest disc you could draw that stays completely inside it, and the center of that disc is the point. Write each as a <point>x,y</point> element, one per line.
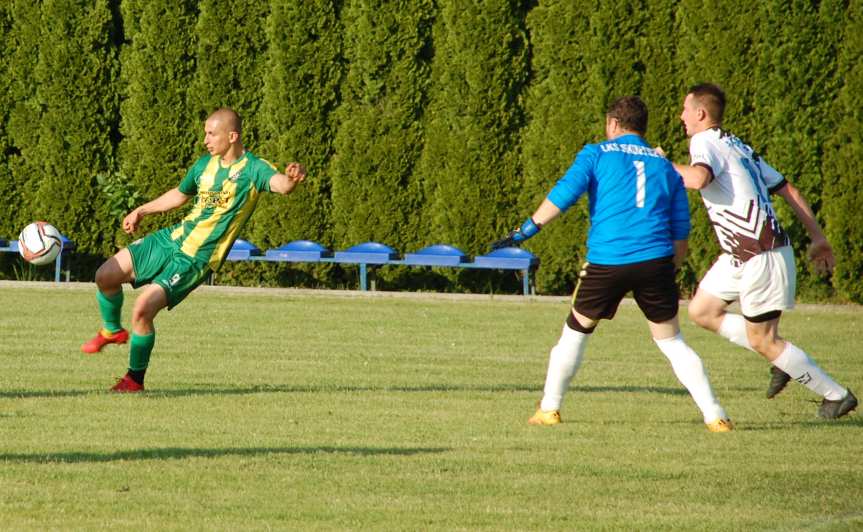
<point>228,118</point>
<point>222,134</point>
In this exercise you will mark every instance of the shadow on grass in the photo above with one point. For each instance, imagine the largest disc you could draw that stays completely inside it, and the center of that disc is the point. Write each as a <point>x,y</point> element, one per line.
<point>26,394</point>
<point>180,453</point>
<point>334,388</point>
<point>855,421</point>
<point>494,388</point>
<point>852,422</point>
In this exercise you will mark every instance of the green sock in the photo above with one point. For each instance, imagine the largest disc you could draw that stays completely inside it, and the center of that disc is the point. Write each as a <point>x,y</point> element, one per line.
<point>139,353</point>
<point>109,308</point>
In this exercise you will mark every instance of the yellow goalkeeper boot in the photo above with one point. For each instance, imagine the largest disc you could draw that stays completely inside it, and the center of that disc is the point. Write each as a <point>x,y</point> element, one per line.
<point>545,417</point>
<point>720,425</point>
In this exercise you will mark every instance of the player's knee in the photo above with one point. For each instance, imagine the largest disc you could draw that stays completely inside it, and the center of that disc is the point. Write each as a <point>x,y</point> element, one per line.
<point>106,278</point>
<point>143,312</point>
<point>140,315</point>
<point>759,343</point>
<point>699,316</point>
<point>764,343</point>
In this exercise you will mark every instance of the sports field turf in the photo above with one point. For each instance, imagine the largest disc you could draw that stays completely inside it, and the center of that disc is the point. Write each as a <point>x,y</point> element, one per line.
<point>284,410</point>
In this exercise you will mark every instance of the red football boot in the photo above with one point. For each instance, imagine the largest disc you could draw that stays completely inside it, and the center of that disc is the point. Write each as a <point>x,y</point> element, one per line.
<point>104,338</point>
<point>127,385</point>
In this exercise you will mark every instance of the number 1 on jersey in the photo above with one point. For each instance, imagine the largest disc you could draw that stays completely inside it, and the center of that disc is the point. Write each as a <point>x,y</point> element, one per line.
<point>640,183</point>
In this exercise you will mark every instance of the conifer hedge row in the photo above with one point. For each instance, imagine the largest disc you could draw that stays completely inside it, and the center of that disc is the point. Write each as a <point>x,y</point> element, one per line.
<point>421,122</point>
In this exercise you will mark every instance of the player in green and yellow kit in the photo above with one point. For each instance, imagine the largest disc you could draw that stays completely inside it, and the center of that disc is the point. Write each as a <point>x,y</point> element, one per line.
<point>172,262</point>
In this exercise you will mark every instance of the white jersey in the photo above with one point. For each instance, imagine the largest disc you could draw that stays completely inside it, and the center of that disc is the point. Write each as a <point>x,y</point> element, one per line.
<point>738,197</point>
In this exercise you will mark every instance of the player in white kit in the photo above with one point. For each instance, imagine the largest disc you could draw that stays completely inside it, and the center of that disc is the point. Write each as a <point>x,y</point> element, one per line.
<point>756,266</point>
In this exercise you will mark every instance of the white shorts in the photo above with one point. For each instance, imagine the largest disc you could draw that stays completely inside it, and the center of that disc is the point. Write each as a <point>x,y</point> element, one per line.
<point>764,283</point>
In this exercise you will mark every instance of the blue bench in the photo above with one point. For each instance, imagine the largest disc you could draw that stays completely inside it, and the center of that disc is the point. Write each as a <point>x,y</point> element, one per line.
<point>377,254</point>
<point>66,246</point>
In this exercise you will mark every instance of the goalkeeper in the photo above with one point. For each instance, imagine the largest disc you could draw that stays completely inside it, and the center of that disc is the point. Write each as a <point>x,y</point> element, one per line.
<point>172,262</point>
<point>638,237</point>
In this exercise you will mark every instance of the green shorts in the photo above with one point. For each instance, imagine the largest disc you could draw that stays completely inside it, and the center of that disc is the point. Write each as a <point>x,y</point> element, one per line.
<point>156,259</point>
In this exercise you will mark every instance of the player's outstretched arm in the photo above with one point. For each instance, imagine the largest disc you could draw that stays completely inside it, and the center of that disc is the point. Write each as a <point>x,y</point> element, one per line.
<point>820,251</point>
<point>546,212</point>
<point>695,177</point>
<point>166,202</point>
<point>285,183</point>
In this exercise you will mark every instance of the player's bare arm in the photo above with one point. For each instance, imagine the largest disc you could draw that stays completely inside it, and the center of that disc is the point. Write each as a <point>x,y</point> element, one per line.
<point>166,202</point>
<point>285,183</point>
<point>546,212</point>
<point>694,177</point>
<point>820,251</point>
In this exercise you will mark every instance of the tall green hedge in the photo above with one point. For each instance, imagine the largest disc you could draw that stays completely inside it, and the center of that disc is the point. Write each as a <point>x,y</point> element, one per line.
<point>376,195</point>
<point>470,160</point>
<point>420,122</point>
<point>158,141</point>
<point>66,124</point>
<point>296,121</point>
<point>843,195</point>
<point>230,66</point>
<point>793,101</point>
<point>8,187</point>
<point>302,82</point>
<point>21,48</point>
<point>558,126</point>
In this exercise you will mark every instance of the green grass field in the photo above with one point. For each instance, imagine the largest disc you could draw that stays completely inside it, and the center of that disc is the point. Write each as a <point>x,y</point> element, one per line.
<point>285,410</point>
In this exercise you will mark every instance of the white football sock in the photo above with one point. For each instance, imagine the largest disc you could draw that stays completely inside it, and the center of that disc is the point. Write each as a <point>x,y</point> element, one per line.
<point>804,370</point>
<point>563,362</point>
<point>733,327</point>
<point>691,373</point>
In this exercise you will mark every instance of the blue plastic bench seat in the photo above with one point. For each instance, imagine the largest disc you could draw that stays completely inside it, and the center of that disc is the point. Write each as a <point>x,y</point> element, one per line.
<point>437,255</point>
<point>507,259</point>
<point>374,253</point>
<point>68,245</point>
<point>243,250</point>
<point>299,251</point>
<point>367,253</point>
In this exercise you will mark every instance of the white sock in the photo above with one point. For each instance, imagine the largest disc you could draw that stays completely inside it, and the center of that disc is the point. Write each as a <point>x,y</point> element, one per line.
<point>804,370</point>
<point>690,372</point>
<point>563,362</point>
<point>733,327</point>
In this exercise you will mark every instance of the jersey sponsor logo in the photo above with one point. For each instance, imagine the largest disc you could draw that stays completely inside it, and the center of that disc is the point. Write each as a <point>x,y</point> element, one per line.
<point>701,158</point>
<point>219,198</point>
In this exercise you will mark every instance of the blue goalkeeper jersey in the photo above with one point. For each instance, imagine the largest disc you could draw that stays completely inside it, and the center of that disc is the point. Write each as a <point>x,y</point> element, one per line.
<point>638,204</point>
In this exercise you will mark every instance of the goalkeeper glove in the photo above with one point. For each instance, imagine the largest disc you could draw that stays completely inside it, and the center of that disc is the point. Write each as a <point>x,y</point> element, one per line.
<point>517,236</point>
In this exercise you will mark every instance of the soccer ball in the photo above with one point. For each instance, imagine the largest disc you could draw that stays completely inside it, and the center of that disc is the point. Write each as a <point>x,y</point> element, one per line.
<point>39,243</point>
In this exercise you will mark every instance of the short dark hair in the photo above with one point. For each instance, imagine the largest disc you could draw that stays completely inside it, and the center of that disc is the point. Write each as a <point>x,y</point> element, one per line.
<point>711,98</point>
<point>630,112</point>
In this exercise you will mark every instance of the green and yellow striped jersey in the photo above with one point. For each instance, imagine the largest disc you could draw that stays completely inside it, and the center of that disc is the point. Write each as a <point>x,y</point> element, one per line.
<point>225,198</point>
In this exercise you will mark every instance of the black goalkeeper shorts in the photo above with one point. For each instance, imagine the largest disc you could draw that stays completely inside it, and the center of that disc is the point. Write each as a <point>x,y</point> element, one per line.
<point>652,283</point>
